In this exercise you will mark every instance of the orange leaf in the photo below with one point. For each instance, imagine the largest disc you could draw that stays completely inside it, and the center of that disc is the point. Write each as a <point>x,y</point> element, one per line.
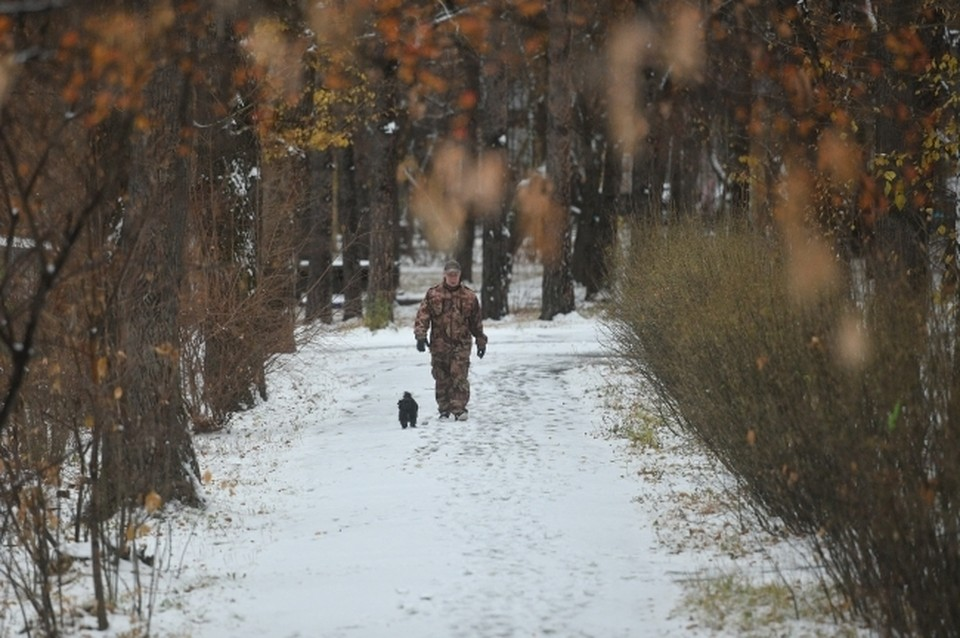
<point>530,8</point>
<point>467,100</point>
<point>389,28</point>
<point>100,369</point>
<point>152,502</point>
<point>70,39</point>
<point>431,81</point>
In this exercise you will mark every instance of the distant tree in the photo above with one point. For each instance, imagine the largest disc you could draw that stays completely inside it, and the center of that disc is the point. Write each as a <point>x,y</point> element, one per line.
<point>727,102</point>
<point>354,223</point>
<point>493,131</point>
<point>314,211</point>
<point>598,154</point>
<point>376,159</point>
<point>318,234</point>
<point>227,217</point>
<point>558,295</point>
<point>596,199</point>
<point>329,121</point>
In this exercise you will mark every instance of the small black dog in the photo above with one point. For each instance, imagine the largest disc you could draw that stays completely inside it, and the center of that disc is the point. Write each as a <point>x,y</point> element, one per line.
<point>408,411</point>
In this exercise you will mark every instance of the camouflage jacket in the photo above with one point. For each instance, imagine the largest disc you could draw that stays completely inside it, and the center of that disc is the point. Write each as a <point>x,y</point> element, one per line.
<point>452,316</point>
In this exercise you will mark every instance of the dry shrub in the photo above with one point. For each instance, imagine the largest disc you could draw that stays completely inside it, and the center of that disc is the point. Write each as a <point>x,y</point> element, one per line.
<point>234,319</point>
<point>839,420</point>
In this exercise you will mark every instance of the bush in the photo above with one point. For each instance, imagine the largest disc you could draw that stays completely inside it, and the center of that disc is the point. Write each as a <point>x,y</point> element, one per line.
<point>839,419</point>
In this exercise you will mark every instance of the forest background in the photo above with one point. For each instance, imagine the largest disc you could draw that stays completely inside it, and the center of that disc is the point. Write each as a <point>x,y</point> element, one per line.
<point>186,184</point>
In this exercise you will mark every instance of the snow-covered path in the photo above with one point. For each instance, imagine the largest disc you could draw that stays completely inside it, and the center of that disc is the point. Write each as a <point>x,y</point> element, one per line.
<point>327,519</point>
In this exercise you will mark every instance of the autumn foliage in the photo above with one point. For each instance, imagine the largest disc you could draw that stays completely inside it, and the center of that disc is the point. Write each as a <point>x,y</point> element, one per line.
<point>178,179</point>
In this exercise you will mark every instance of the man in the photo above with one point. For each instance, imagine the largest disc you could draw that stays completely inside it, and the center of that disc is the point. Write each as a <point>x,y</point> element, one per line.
<point>451,313</point>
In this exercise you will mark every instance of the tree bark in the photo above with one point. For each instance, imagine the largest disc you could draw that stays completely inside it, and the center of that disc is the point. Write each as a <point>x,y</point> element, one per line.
<point>377,170</point>
<point>229,202</point>
<point>279,251</point>
<point>149,448</point>
<point>317,228</point>
<point>493,131</point>
<point>353,224</point>
<point>558,297</point>
<point>464,251</point>
<point>595,225</point>
<point>315,214</point>
<point>471,79</point>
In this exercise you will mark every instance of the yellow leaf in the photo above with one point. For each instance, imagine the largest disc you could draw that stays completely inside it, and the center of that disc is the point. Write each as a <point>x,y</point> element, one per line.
<point>900,200</point>
<point>165,349</point>
<point>88,422</point>
<point>889,176</point>
<point>100,370</point>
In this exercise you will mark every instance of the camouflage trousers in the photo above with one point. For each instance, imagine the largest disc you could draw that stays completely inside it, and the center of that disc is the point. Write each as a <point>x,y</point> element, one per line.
<point>450,368</point>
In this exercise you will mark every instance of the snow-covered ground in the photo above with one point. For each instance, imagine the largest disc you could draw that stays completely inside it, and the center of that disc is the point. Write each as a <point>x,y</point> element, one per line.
<point>326,519</point>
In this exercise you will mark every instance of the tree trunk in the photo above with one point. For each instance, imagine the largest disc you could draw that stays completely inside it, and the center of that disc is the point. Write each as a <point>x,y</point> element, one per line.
<point>279,252</point>
<point>317,227</point>
<point>464,251</point>
<point>352,234</point>
<point>470,62</point>
<point>686,172</point>
<point>493,132</point>
<point>377,170</point>
<point>730,139</point>
<point>316,216</point>
<point>229,205</point>
<point>558,295</point>
<point>595,226</point>
<point>149,448</point>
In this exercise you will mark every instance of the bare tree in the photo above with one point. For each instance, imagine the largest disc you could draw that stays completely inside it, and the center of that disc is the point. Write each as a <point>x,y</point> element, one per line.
<point>376,162</point>
<point>493,132</point>
<point>227,219</point>
<point>354,223</point>
<point>596,195</point>
<point>558,295</point>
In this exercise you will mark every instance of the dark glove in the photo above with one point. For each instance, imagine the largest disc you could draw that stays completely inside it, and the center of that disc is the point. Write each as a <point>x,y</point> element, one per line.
<point>481,350</point>
<point>422,345</point>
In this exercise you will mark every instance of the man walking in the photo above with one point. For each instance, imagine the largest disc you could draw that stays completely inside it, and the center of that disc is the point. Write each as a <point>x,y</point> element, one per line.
<point>450,312</point>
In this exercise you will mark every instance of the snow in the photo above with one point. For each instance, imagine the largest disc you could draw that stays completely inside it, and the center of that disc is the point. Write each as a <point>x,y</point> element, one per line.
<point>325,518</point>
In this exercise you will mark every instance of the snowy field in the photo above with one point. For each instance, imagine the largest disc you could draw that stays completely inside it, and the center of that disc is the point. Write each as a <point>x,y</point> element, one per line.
<point>326,519</point>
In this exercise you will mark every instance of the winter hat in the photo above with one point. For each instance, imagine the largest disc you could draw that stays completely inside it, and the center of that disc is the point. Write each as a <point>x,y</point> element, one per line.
<point>451,266</point>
